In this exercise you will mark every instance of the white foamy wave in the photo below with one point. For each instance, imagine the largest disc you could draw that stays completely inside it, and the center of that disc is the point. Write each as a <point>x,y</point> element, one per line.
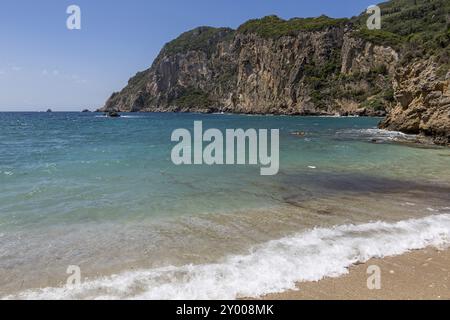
<point>273,267</point>
<point>131,117</point>
<point>122,116</point>
<point>379,134</point>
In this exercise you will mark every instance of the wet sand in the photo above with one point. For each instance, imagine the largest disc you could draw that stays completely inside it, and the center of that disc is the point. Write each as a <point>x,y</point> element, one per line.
<point>418,275</point>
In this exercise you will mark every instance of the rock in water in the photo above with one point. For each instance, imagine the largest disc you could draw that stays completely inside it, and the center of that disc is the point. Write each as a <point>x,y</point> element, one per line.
<point>299,133</point>
<point>113,114</point>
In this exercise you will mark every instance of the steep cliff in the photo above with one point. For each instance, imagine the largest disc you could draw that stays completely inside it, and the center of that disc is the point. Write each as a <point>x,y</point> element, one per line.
<point>317,66</point>
<point>423,102</point>
<point>303,66</point>
<point>422,77</point>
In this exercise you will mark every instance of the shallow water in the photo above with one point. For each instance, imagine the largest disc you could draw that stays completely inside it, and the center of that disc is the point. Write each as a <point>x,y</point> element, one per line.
<point>102,193</point>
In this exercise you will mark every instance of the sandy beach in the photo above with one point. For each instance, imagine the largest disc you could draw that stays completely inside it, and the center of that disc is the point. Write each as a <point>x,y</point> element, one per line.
<point>418,275</point>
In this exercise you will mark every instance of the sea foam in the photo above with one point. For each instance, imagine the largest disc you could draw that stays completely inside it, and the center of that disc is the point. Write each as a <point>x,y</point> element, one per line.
<point>272,267</point>
<point>379,134</point>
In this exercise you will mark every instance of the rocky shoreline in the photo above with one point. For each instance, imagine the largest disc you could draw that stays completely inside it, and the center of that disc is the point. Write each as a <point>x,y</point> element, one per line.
<point>306,66</point>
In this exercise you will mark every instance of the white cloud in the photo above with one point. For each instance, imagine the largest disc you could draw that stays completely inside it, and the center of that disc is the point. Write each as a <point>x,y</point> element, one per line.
<point>77,79</point>
<point>16,68</point>
<point>54,72</point>
<point>69,77</point>
<point>2,72</point>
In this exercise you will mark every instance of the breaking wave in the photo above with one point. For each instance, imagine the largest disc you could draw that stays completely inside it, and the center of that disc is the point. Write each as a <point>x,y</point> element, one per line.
<point>275,266</point>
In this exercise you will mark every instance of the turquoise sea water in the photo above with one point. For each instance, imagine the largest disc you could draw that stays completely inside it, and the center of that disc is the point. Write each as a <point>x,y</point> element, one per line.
<point>102,193</point>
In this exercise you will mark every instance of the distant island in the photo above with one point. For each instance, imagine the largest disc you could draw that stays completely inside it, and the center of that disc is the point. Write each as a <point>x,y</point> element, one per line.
<point>309,66</point>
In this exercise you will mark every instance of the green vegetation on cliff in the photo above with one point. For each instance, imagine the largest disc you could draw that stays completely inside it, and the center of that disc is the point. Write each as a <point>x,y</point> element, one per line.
<point>200,39</point>
<point>418,28</point>
<point>191,97</point>
<point>275,27</point>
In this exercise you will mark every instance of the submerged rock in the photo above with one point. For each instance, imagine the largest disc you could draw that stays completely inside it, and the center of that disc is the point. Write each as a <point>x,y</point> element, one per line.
<point>299,133</point>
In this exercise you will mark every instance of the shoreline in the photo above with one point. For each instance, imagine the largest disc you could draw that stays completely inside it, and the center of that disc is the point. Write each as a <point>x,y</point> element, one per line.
<point>278,264</point>
<point>303,115</point>
<point>417,275</point>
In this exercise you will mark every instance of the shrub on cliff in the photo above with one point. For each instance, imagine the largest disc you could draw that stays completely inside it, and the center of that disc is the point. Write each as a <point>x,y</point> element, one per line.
<point>193,98</point>
<point>275,27</point>
<point>416,27</point>
<point>202,39</point>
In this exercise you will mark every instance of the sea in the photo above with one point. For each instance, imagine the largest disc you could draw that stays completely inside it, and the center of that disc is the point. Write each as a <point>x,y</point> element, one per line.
<point>93,207</point>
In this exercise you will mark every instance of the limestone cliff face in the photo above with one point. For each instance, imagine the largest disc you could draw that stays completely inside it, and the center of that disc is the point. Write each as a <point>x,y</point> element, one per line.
<point>423,102</point>
<point>271,73</point>
<point>359,55</point>
<point>312,72</point>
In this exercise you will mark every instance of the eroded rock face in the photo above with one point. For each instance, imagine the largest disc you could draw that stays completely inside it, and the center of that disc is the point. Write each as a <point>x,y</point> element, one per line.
<point>271,73</point>
<point>423,102</point>
<point>362,56</point>
<point>247,73</point>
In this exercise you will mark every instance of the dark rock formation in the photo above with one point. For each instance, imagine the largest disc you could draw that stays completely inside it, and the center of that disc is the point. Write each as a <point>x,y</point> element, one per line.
<point>113,114</point>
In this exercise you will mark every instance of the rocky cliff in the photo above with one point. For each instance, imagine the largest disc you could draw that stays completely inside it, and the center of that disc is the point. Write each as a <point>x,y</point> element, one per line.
<point>423,102</point>
<point>314,71</point>
<point>304,66</point>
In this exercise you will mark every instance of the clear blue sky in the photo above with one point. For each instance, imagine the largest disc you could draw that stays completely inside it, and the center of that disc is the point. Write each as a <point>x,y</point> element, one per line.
<point>45,65</point>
